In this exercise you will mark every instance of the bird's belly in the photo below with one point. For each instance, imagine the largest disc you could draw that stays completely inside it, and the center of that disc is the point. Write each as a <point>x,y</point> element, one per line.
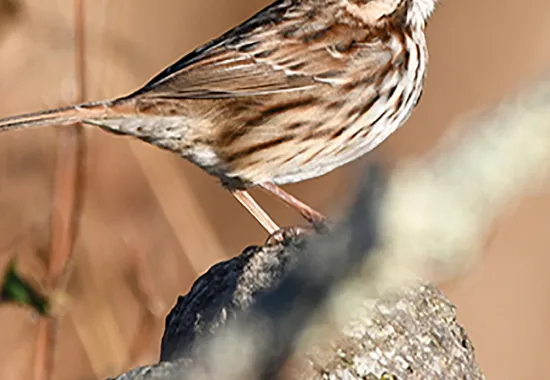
<point>359,138</point>
<point>322,159</point>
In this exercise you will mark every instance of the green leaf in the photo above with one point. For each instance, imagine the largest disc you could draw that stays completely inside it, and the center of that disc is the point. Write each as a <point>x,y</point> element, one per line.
<point>15,290</point>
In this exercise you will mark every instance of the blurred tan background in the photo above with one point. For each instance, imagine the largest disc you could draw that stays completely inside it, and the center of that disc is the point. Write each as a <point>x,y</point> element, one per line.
<point>150,222</point>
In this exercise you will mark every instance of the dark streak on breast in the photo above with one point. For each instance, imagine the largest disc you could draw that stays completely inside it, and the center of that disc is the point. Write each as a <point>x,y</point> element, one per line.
<point>312,157</point>
<point>419,97</point>
<point>359,131</point>
<point>399,102</point>
<point>335,105</point>
<point>362,109</point>
<point>268,113</point>
<point>294,126</point>
<point>317,134</point>
<point>258,147</point>
<point>417,70</point>
<point>379,118</point>
<point>291,157</point>
<point>338,132</point>
<point>402,60</point>
<point>391,91</point>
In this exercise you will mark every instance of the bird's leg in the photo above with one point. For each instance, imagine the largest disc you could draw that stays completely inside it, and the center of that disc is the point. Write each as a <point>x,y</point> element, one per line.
<point>257,212</point>
<point>317,219</point>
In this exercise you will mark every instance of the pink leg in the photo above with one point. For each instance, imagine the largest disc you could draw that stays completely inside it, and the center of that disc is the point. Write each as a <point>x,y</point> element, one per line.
<point>257,212</point>
<point>309,214</point>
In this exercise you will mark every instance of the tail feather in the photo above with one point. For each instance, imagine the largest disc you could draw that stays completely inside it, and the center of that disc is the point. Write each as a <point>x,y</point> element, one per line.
<point>60,116</point>
<point>116,116</point>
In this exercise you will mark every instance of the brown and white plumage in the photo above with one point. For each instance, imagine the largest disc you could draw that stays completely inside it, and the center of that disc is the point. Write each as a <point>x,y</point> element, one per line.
<point>301,88</point>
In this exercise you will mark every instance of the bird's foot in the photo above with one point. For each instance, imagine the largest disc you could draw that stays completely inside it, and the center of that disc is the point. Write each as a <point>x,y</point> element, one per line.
<point>286,234</point>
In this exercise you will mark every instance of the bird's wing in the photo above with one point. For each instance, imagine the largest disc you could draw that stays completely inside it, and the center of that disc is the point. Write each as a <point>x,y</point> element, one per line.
<point>288,46</point>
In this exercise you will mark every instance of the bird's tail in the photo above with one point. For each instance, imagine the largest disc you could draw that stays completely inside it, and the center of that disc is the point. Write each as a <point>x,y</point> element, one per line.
<point>60,116</point>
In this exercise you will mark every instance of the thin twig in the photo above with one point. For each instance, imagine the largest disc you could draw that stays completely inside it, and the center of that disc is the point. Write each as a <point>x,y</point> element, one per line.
<point>80,51</point>
<point>66,207</point>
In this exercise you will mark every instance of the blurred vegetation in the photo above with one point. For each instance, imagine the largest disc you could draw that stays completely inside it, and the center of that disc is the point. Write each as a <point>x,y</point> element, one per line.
<point>16,290</point>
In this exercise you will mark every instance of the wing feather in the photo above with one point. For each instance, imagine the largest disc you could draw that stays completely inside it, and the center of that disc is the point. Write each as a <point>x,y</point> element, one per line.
<point>283,48</point>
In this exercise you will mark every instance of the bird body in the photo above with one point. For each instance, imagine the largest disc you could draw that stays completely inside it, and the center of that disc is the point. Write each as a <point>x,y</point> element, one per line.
<point>299,89</point>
